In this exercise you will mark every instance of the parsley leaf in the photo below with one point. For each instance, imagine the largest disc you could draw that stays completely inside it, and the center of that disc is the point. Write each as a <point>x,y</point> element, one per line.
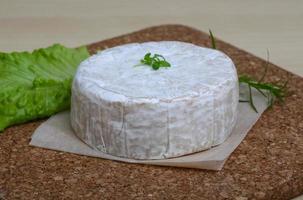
<point>156,61</point>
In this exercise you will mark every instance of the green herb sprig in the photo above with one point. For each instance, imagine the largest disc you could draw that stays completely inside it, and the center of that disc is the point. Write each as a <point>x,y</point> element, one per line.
<point>269,90</point>
<point>156,61</point>
<point>212,39</point>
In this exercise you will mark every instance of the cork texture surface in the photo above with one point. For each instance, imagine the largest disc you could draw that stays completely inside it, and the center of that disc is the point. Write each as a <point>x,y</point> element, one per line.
<point>268,164</point>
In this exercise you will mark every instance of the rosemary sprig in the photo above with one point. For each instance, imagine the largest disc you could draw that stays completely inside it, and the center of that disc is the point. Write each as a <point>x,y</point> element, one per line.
<point>269,90</point>
<point>212,39</point>
<point>156,61</point>
<point>251,102</point>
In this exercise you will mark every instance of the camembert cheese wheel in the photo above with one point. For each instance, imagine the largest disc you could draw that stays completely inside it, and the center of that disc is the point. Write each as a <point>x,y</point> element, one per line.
<point>133,111</point>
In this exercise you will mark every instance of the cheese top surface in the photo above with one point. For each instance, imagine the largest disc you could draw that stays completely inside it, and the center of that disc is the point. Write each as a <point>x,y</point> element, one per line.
<point>194,70</point>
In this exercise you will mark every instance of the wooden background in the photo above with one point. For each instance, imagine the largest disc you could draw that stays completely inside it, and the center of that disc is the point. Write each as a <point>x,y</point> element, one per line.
<point>253,26</point>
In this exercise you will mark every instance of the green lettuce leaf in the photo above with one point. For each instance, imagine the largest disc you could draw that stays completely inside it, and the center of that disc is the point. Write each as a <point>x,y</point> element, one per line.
<point>38,84</point>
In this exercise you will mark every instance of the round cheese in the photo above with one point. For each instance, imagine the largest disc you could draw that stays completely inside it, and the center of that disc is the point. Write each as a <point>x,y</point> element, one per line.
<point>133,111</point>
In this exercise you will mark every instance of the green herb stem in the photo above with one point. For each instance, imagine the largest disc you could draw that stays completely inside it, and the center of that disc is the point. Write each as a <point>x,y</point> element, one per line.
<point>213,41</point>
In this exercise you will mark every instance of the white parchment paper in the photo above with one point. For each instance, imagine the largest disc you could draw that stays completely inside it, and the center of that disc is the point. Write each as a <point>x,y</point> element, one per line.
<point>57,134</point>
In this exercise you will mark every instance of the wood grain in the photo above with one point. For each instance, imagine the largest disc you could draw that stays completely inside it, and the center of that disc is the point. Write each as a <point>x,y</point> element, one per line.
<point>252,25</point>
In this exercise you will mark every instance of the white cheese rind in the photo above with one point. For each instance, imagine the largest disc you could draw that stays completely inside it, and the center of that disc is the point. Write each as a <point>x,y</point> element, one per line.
<point>140,113</point>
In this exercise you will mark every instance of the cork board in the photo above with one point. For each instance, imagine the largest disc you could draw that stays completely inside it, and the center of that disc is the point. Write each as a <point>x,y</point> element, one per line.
<point>268,164</point>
